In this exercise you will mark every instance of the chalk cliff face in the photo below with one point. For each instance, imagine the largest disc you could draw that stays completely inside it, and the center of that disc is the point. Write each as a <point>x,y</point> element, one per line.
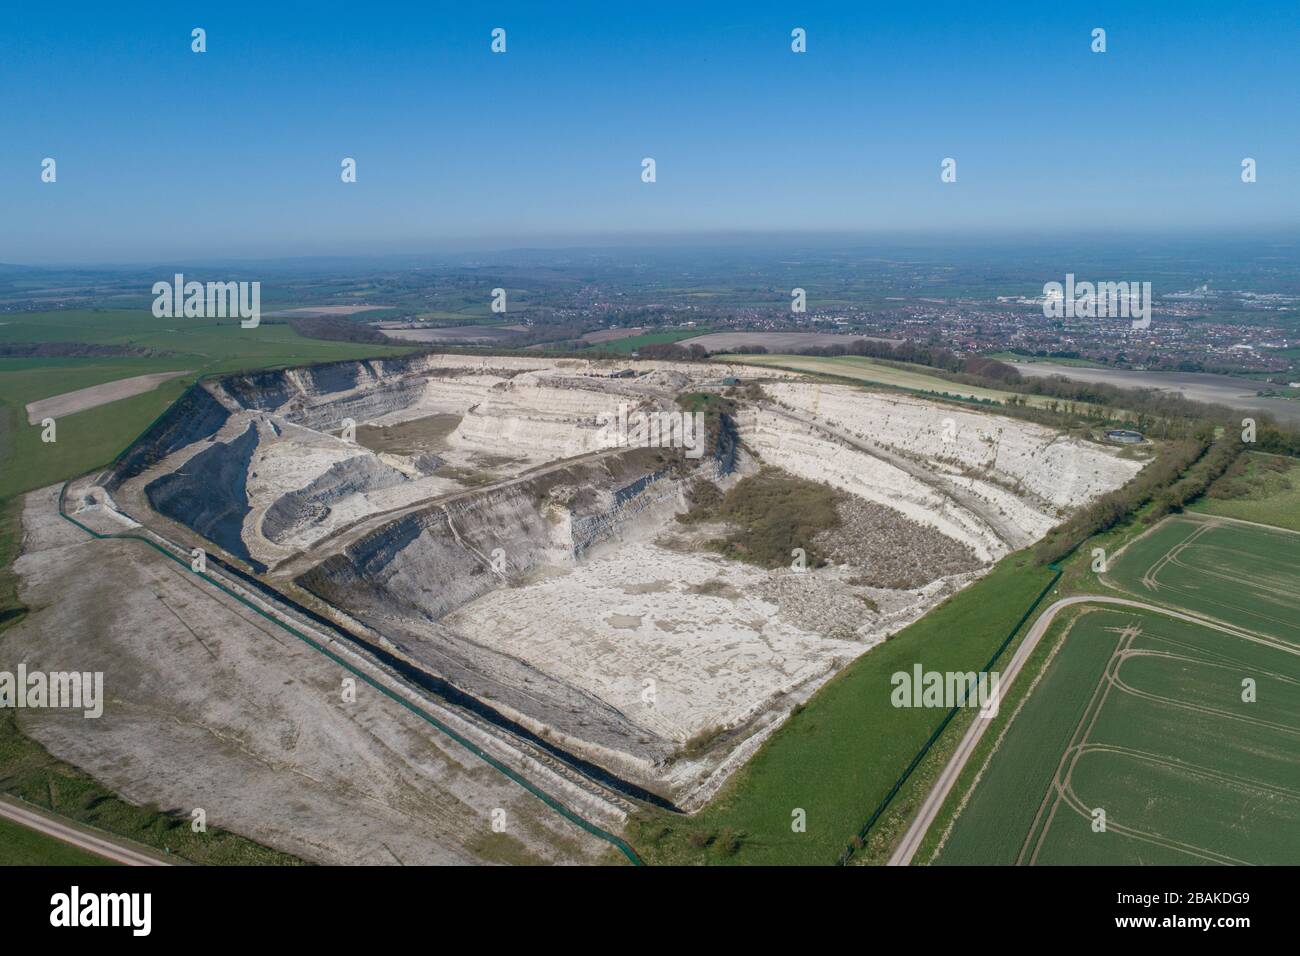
<point>435,559</point>
<point>305,478</point>
<point>293,512</point>
<point>404,578</point>
<point>992,483</point>
<point>1057,470</point>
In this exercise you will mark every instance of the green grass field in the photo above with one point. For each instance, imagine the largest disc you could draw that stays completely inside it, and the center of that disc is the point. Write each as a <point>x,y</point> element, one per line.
<point>20,846</point>
<point>1267,491</point>
<point>1141,715</point>
<point>95,436</point>
<point>1244,575</point>
<point>838,757</point>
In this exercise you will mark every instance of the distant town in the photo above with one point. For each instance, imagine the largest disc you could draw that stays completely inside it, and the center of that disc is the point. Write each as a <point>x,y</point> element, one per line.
<point>1244,323</point>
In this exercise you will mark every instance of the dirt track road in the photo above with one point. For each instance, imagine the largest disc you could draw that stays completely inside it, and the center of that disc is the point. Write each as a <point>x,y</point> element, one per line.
<point>911,841</point>
<point>81,839</point>
<point>96,395</point>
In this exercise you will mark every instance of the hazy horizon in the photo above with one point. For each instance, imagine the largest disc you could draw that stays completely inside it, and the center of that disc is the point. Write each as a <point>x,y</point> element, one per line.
<point>989,244</point>
<point>164,153</point>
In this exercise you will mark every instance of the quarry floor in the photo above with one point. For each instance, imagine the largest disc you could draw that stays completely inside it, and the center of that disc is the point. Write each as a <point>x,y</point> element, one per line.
<point>684,641</point>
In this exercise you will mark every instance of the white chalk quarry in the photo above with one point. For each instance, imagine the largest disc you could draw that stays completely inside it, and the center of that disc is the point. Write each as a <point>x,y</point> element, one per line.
<point>496,543</point>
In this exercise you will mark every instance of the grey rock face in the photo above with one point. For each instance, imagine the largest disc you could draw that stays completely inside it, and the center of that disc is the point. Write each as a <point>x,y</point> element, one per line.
<point>210,493</point>
<point>309,505</point>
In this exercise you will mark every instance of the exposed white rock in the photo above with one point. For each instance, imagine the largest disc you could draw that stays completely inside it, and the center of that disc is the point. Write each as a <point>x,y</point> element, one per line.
<point>508,551</point>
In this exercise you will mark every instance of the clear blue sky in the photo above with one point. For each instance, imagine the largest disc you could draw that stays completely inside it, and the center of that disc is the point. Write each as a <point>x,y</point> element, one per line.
<point>162,152</point>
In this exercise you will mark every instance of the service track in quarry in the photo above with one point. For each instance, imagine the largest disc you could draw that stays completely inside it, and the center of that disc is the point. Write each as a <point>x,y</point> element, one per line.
<point>468,523</point>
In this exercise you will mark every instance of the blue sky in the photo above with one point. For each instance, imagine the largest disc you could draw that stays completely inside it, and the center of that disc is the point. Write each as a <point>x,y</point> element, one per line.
<point>235,152</point>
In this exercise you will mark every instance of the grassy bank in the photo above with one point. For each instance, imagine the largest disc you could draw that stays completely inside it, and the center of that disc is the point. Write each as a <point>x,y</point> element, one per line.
<point>1261,488</point>
<point>20,846</point>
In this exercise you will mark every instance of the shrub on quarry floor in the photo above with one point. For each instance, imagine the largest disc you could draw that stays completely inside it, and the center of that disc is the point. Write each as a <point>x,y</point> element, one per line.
<point>770,514</point>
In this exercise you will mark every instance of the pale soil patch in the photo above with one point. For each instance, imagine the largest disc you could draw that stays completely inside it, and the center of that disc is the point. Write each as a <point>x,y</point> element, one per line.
<point>612,335</point>
<point>412,437</point>
<point>96,395</point>
<point>460,333</point>
<point>775,341</point>
<point>1198,386</point>
<point>326,310</point>
<point>209,705</point>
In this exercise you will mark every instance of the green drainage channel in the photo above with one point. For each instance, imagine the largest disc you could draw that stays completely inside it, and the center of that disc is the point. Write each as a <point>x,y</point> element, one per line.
<point>617,842</point>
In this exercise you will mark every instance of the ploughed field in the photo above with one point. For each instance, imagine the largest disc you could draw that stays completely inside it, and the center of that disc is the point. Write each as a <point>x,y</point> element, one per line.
<point>490,522</point>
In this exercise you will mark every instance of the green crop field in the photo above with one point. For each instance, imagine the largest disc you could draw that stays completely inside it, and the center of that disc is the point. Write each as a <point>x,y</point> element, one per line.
<point>93,437</point>
<point>1142,716</point>
<point>1145,716</point>
<point>1244,575</point>
<point>839,756</point>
